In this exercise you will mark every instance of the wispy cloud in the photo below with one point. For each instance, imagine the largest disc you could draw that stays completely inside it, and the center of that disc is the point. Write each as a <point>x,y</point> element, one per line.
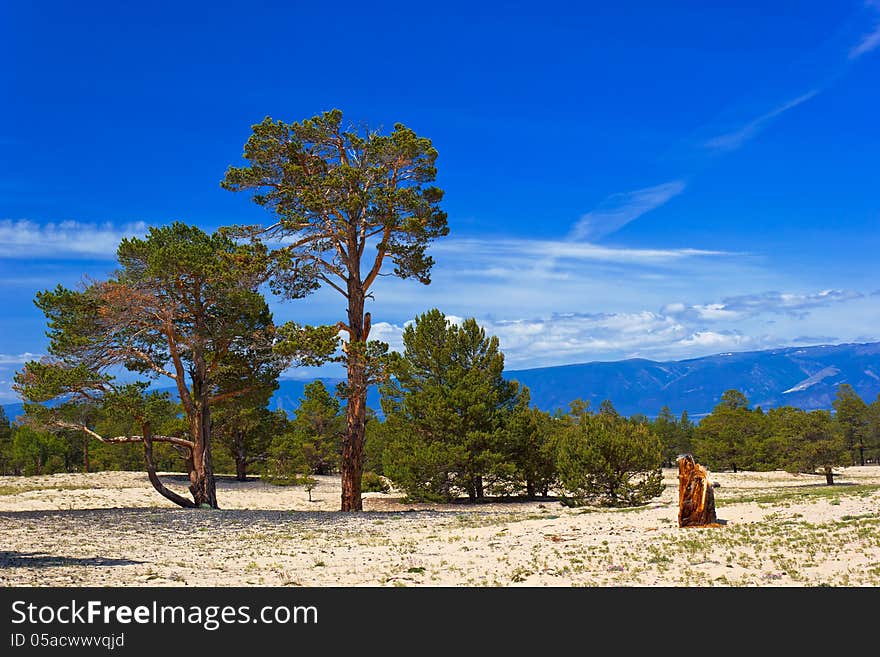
<point>871,40</point>
<point>501,250</point>
<point>7,396</point>
<point>618,210</point>
<point>63,240</point>
<point>867,44</point>
<point>509,278</point>
<point>738,136</point>
<point>788,303</point>
<point>18,359</point>
<point>750,305</point>
<point>731,141</point>
<point>815,339</point>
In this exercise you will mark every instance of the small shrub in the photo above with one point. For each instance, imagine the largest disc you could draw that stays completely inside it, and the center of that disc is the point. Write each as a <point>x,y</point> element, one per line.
<point>373,483</point>
<point>610,461</point>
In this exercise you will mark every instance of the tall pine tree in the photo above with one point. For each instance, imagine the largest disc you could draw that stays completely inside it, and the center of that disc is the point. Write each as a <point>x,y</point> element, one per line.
<point>446,407</point>
<point>350,204</point>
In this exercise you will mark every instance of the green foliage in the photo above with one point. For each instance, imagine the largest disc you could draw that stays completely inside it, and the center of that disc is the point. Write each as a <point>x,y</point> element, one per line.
<point>607,408</point>
<point>311,442</point>
<point>377,437</point>
<point>729,437</point>
<point>320,179</point>
<point>307,345</point>
<point>286,464</point>
<point>183,305</point>
<point>374,483</point>
<point>736,437</point>
<point>873,450</point>
<point>446,408</point>
<point>6,460</point>
<point>809,441</point>
<point>853,416</point>
<point>609,460</point>
<point>734,399</point>
<point>318,426</point>
<point>676,435</point>
<point>246,430</point>
<point>308,482</point>
<point>37,452</point>
<point>529,449</point>
<point>179,284</point>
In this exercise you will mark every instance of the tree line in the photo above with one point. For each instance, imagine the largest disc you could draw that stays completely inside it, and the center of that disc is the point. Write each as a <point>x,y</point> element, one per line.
<point>348,205</point>
<point>454,427</point>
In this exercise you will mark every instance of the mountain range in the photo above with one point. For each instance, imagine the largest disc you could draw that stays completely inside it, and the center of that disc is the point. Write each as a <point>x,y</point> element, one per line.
<point>804,377</point>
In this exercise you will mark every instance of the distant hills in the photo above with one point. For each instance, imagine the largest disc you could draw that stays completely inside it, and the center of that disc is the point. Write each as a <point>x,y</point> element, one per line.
<point>805,377</point>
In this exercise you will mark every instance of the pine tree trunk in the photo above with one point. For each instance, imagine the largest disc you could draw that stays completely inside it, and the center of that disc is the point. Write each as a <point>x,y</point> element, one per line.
<point>202,484</point>
<point>240,468</point>
<point>356,409</point>
<point>240,457</point>
<point>154,477</point>
<point>530,490</point>
<point>86,454</point>
<point>862,454</point>
<point>829,476</point>
<point>353,452</point>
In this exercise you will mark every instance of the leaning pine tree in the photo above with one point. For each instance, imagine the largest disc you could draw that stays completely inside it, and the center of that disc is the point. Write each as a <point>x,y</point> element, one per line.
<point>347,203</point>
<point>182,306</point>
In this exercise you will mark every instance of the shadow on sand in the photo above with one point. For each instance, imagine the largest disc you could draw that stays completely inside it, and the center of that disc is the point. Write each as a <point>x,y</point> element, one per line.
<point>43,560</point>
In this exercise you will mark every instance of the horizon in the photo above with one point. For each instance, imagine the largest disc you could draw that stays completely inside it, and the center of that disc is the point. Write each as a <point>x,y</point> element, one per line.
<point>629,182</point>
<point>694,413</point>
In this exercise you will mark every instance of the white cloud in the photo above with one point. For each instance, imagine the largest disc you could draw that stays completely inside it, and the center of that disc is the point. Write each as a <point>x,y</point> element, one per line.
<point>618,210</point>
<point>716,341</point>
<point>561,339</point>
<point>389,333</point>
<point>67,239</point>
<point>18,359</point>
<point>678,330</point>
<point>556,337</point>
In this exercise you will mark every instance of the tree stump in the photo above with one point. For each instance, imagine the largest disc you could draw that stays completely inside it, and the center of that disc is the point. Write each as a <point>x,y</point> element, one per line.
<point>696,499</point>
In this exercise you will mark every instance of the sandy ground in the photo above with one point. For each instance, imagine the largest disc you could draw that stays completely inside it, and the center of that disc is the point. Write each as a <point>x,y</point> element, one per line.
<point>113,529</point>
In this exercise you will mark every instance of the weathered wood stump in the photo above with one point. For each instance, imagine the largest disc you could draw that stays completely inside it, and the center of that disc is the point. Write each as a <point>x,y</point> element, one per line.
<point>696,499</point>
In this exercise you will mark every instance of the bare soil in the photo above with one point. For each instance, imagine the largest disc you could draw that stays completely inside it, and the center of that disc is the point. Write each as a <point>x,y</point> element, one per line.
<point>113,529</point>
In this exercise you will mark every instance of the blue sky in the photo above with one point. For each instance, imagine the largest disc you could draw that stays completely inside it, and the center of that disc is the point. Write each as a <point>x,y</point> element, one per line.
<point>632,179</point>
